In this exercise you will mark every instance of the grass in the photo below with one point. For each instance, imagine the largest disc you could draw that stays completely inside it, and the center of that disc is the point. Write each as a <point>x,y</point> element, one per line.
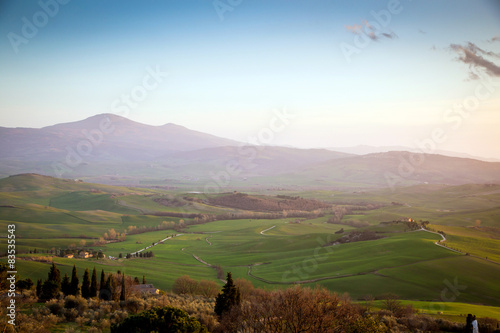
<point>55,213</point>
<point>481,242</point>
<point>455,310</point>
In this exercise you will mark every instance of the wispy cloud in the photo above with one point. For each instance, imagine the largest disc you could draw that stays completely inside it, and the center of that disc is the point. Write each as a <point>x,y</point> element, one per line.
<point>355,28</point>
<point>372,32</point>
<point>478,59</point>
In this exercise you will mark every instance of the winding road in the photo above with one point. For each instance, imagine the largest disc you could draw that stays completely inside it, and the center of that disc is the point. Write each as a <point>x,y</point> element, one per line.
<point>438,243</point>
<point>263,231</point>
<point>150,246</point>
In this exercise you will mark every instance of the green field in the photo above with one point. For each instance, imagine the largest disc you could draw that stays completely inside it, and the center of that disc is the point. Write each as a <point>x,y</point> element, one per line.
<point>272,253</point>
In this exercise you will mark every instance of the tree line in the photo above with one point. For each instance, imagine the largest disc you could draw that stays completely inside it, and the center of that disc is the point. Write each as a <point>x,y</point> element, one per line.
<point>109,287</point>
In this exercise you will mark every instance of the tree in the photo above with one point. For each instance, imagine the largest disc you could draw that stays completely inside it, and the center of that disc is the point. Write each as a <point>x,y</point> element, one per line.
<point>208,288</point>
<point>50,289</point>
<point>122,293</point>
<point>93,284</point>
<point>167,319</point>
<point>86,284</point>
<point>4,284</point>
<point>102,285</point>
<point>39,285</point>
<point>66,285</point>
<point>185,285</point>
<point>75,288</point>
<point>25,284</point>
<point>143,279</point>
<point>55,275</point>
<point>107,292</point>
<point>228,298</point>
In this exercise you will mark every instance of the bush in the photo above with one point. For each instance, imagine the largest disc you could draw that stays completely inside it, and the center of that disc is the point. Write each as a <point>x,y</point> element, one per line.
<point>167,319</point>
<point>185,285</point>
<point>55,306</point>
<point>134,304</point>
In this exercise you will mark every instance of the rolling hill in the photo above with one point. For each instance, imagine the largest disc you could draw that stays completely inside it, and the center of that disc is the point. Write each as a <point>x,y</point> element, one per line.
<point>111,137</point>
<point>400,168</point>
<point>111,149</point>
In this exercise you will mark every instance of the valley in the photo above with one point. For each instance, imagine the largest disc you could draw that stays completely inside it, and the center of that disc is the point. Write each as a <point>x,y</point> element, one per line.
<point>274,240</point>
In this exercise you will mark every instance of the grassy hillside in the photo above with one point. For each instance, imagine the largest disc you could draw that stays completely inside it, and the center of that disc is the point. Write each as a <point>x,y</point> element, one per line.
<point>272,253</point>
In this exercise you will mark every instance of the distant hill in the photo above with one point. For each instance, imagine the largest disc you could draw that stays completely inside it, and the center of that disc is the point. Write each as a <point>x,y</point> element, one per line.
<point>252,160</point>
<point>110,149</point>
<point>365,149</point>
<point>103,137</point>
<point>398,168</point>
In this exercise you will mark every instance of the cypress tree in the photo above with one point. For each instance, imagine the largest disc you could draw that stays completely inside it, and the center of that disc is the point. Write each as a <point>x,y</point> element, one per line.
<point>112,287</point>
<point>75,288</point>
<point>143,279</point>
<point>122,293</point>
<point>66,285</point>
<point>55,275</point>
<point>93,284</point>
<point>107,292</point>
<point>39,285</point>
<point>229,297</point>
<point>86,284</point>
<point>102,285</point>
<point>50,289</point>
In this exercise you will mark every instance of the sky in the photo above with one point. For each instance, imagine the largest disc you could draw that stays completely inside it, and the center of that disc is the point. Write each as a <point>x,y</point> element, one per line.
<point>315,73</point>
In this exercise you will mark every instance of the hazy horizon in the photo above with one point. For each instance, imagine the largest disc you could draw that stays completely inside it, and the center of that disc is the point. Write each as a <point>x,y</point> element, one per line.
<point>383,73</point>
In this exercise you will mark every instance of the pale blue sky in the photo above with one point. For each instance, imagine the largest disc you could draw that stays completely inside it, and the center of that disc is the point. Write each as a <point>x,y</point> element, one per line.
<point>227,76</point>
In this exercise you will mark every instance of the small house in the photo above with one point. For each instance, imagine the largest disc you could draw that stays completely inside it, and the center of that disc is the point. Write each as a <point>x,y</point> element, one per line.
<point>84,255</point>
<point>146,289</point>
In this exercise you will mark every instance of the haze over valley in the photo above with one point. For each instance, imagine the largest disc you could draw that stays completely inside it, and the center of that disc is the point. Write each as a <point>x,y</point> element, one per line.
<point>249,166</point>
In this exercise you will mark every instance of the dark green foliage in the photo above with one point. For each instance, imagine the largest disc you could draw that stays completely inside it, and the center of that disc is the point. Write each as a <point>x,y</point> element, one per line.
<point>75,288</point>
<point>55,275</point>
<point>93,284</point>
<point>143,279</point>
<point>50,289</point>
<point>39,285</point>
<point>109,289</point>
<point>161,320</point>
<point>122,293</point>
<point>66,285</point>
<point>102,286</point>
<point>229,297</point>
<point>25,284</point>
<point>86,284</point>
<point>3,276</point>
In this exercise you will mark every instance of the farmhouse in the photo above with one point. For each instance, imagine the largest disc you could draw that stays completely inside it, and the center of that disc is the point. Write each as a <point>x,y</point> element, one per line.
<point>84,255</point>
<point>69,255</point>
<point>146,289</point>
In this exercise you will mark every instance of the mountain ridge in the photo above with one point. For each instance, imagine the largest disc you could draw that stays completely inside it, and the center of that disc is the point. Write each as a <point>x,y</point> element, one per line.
<point>111,148</point>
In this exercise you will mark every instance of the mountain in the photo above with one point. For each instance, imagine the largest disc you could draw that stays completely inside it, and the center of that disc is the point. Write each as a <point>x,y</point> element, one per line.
<point>102,137</point>
<point>397,168</point>
<point>253,160</point>
<point>365,149</point>
<point>108,146</point>
<point>114,150</point>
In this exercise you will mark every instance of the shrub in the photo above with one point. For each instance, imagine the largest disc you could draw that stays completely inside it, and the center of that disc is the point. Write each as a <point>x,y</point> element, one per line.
<point>185,285</point>
<point>55,306</point>
<point>167,319</point>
